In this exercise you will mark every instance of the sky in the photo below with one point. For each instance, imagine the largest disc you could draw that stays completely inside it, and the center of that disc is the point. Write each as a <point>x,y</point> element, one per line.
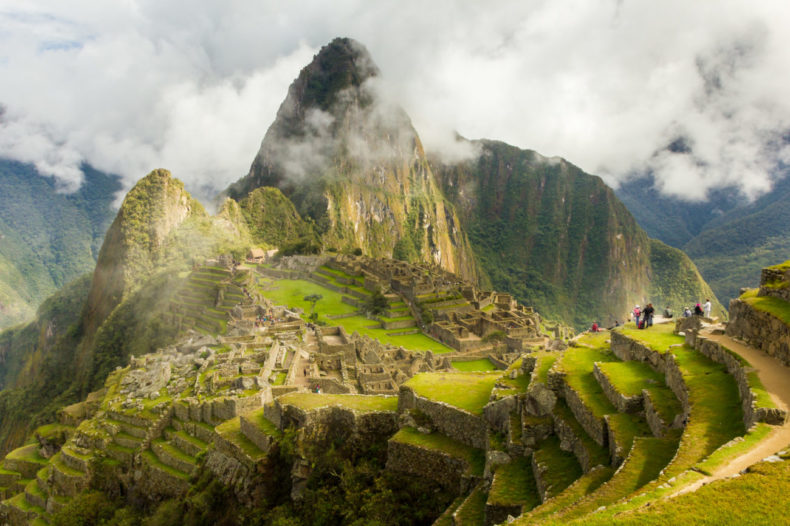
<point>192,85</point>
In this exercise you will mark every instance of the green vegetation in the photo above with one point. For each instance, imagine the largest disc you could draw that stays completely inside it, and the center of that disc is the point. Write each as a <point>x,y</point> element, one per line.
<point>776,307</point>
<point>577,362</point>
<point>598,455</point>
<point>467,391</point>
<point>474,365</point>
<point>231,430</point>
<point>514,485</point>
<point>658,337</point>
<point>349,401</point>
<point>734,449</point>
<point>562,468</point>
<point>473,509</point>
<point>273,220</point>
<point>475,458</point>
<point>629,378</point>
<point>545,361</point>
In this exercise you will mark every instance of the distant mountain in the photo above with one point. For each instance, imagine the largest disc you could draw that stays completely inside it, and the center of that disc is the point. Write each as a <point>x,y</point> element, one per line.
<point>560,240</point>
<point>47,237</point>
<point>728,238</point>
<point>353,165</point>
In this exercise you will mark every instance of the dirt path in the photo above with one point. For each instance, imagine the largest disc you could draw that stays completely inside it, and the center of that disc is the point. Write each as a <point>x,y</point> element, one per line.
<point>776,378</point>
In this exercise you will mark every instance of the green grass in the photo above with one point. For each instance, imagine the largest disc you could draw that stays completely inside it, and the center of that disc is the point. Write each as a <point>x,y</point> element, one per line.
<point>468,391</point>
<point>349,401</point>
<point>174,451</point>
<point>19,501</point>
<point>629,378</point>
<point>231,431</point>
<point>756,497</point>
<point>264,424</point>
<point>544,363</point>
<point>514,485</point>
<point>475,458</point>
<point>625,427</point>
<point>577,362</point>
<point>583,486</point>
<point>774,306</point>
<point>596,340</point>
<point>58,463</point>
<point>658,337</point>
<point>563,468</point>
<point>446,518</point>
<point>27,453</point>
<point>733,450</point>
<point>474,365</point>
<point>279,378</point>
<point>598,454</point>
<point>473,510</point>
<point>50,429</point>
<point>291,293</point>
<point>645,461</point>
<point>149,457</point>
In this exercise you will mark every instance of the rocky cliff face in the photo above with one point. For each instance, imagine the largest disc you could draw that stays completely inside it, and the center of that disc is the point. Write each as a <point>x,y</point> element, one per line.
<point>559,239</point>
<point>353,163</point>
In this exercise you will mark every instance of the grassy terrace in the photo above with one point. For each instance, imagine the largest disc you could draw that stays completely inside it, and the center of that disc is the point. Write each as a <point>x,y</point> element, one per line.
<point>231,430</point>
<point>475,458</point>
<point>577,362</point>
<point>27,453</point>
<point>563,468</point>
<point>348,401</point>
<point>583,486</point>
<point>598,454</point>
<point>291,293</point>
<point>514,485</point>
<point>151,459</point>
<point>629,378</point>
<point>545,362</point>
<point>658,337</point>
<point>645,461</point>
<point>625,427</point>
<point>774,306</point>
<point>756,497</point>
<point>342,274</point>
<point>468,391</point>
<point>473,510</point>
<point>474,365</point>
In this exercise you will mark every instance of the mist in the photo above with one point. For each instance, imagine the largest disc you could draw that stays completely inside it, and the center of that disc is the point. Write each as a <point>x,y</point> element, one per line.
<point>193,86</point>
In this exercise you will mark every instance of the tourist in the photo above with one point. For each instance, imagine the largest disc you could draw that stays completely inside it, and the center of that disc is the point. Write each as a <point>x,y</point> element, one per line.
<point>667,312</point>
<point>697,310</point>
<point>648,316</point>
<point>686,312</point>
<point>637,314</point>
<point>594,327</point>
<point>707,308</point>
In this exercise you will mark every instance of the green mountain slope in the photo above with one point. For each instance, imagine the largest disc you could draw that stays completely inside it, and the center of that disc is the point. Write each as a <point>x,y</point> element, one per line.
<point>353,164</point>
<point>559,239</point>
<point>47,238</point>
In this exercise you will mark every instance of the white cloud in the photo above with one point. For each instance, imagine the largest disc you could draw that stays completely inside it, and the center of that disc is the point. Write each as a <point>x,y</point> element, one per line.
<point>193,86</point>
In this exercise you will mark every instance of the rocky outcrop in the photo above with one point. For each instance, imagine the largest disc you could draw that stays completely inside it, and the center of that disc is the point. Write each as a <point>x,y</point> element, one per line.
<point>759,329</point>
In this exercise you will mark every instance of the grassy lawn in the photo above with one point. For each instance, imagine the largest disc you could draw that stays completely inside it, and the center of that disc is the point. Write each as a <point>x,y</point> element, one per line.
<point>756,497</point>
<point>438,442</point>
<point>469,391</point>
<point>474,365</point>
<point>658,337</point>
<point>514,485</point>
<point>350,401</point>
<point>625,427</point>
<point>545,362</point>
<point>27,453</point>
<point>596,340</point>
<point>726,453</point>
<point>774,306</point>
<point>473,510</point>
<point>291,293</point>
<point>563,468</point>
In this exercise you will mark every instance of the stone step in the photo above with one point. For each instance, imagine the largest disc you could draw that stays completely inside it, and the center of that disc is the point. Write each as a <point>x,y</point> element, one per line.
<point>161,479</point>
<point>170,455</point>
<point>199,430</point>
<point>75,459</point>
<point>259,430</point>
<point>18,511</point>
<point>35,496</point>
<point>42,478</point>
<point>133,420</point>
<point>115,426</point>
<point>8,477</point>
<point>67,481</point>
<point>185,442</point>
<point>126,440</point>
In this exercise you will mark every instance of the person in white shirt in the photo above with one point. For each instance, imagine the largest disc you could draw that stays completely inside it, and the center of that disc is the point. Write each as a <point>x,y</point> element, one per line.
<point>706,308</point>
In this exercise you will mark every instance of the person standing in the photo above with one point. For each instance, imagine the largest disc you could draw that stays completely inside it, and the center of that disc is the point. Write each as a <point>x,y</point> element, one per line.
<point>648,315</point>
<point>707,308</point>
<point>637,314</point>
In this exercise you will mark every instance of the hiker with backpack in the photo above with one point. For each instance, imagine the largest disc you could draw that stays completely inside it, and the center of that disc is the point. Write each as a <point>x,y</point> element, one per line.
<point>637,314</point>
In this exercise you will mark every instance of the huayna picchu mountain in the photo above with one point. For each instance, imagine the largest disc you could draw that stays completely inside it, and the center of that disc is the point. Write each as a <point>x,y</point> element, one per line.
<point>353,164</point>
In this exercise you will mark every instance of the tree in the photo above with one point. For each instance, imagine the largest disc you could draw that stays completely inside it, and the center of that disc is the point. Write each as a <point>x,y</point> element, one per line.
<point>377,303</point>
<point>313,299</point>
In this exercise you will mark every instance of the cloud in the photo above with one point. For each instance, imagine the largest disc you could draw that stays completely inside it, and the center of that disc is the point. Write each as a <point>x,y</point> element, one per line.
<point>192,86</point>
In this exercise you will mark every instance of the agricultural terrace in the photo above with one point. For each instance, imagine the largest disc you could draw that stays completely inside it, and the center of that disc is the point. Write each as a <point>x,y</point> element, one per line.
<point>291,293</point>
<point>468,391</point>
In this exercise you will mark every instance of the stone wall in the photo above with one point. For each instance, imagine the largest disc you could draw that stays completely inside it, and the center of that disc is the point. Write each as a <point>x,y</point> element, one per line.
<point>623,403</point>
<point>760,330</point>
<point>595,427</point>
<point>456,423</point>
<point>736,368</point>
<point>451,472</point>
<point>775,282</point>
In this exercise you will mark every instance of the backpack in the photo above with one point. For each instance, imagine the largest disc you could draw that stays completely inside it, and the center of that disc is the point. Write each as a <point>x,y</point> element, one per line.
<point>637,312</point>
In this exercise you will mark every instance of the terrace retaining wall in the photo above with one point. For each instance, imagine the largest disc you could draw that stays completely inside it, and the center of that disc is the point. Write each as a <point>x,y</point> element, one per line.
<point>453,422</point>
<point>760,330</point>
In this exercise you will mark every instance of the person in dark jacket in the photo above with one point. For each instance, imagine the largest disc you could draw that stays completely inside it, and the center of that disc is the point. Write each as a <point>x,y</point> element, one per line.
<point>648,315</point>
